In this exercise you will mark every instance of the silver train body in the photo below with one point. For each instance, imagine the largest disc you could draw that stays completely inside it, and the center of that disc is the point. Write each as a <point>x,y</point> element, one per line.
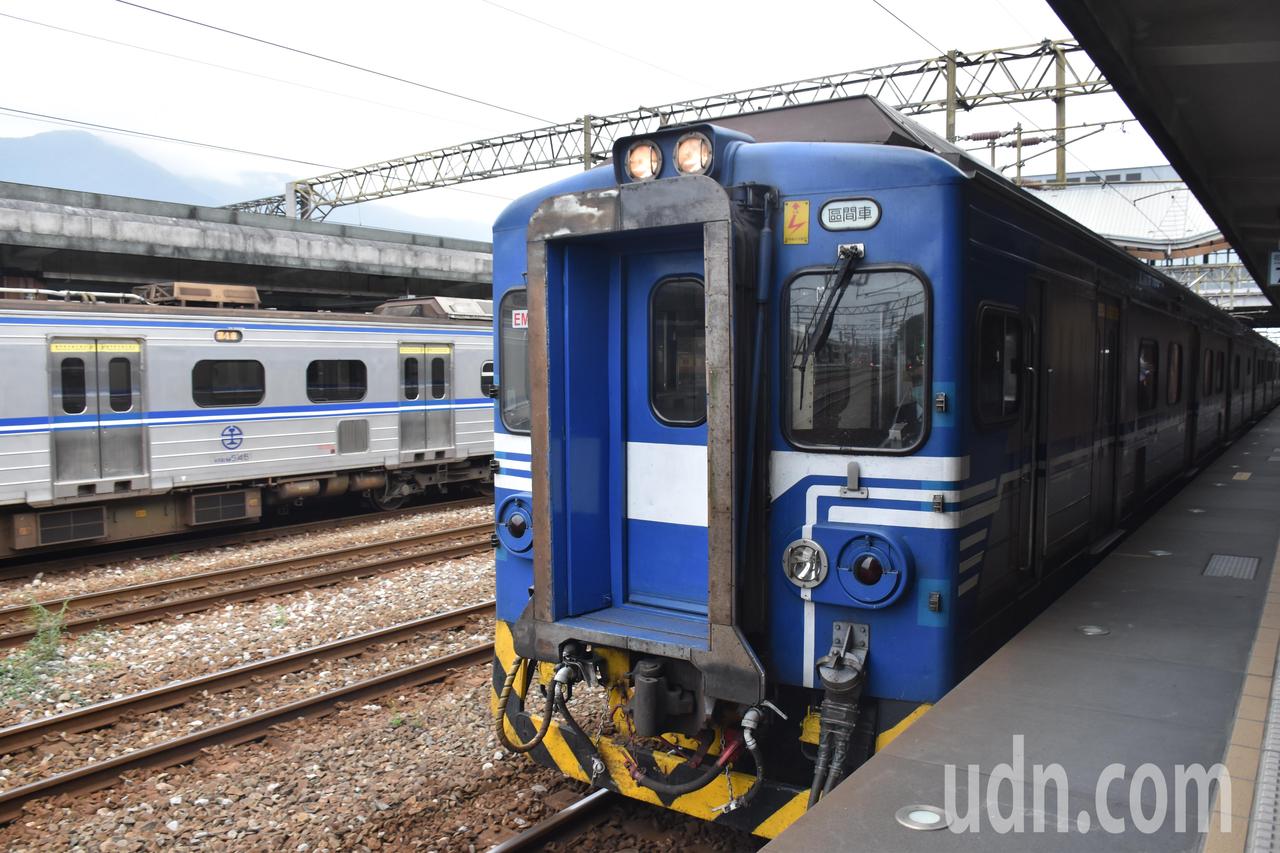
<point>126,421</point>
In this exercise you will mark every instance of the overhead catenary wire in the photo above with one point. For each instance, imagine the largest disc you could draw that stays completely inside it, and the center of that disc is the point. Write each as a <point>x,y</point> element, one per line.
<point>332,60</point>
<point>234,70</point>
<point>160,137</point>
<point>591,41</point>
<point>1024,116</point>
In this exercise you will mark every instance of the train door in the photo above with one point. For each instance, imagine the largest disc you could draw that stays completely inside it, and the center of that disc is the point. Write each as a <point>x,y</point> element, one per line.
<point>97,414</point>
<point>1106,416</point>
<point>665,441</point>
<point>1067,375</point>
<point>1024,439</point>
<point>426,412</point>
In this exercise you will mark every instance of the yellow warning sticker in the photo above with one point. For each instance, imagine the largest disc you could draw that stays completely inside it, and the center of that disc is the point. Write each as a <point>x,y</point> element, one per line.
<point>429,350</point>
<point>71,348</point>
<point>795,222</point>
<point>411,349</point>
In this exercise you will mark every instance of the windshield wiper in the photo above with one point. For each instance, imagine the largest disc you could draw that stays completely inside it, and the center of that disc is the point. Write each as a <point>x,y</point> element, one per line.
<point>818,329</point>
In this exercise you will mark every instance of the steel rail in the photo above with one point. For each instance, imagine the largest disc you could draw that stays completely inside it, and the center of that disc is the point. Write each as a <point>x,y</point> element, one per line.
<point>242,535</point>
<point>266,589</point>
<point>29,734</point>
<point>103,597</point>
<point>180,750</point>
<point>564,825</point>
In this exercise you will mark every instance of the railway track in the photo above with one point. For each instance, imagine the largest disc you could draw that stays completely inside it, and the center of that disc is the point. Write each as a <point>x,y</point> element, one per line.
<point>11,570</point>
<point>85,612</point>
<point>179,750</point>
<point>563,827</point>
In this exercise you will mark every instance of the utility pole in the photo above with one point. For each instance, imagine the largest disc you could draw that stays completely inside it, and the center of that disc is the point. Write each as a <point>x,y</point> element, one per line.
<point>1060,101</point>
<point>951,94</point>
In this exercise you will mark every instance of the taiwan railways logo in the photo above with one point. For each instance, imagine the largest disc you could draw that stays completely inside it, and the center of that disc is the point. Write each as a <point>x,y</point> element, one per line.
<point>232,437</point>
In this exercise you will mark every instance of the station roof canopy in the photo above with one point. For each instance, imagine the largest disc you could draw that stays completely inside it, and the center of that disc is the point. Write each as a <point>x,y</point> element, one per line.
<point>1203,78</point>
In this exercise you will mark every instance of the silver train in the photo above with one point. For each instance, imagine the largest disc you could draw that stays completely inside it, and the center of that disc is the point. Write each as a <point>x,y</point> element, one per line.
<point>121,422</point>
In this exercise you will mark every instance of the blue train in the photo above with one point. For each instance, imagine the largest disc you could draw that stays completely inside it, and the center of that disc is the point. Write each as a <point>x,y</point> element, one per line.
<point>792,432</point>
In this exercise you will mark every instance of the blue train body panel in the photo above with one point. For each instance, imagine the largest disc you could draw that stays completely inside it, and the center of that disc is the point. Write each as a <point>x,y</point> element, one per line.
<point>818,414</point>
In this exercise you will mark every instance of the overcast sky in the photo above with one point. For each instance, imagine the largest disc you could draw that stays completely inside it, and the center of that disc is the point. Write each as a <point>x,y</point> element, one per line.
<point>338,117</point>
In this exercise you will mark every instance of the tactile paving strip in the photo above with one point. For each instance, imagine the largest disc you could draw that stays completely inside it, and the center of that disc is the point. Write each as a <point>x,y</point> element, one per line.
<point>1264,828</point>
<point>1229,566</point>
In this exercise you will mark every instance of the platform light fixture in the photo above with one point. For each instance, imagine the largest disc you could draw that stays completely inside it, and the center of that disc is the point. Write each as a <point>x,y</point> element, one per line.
<point>644,160</point>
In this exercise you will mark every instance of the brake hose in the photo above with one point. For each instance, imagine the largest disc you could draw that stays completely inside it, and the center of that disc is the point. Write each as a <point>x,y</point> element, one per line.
<point>500,710</point>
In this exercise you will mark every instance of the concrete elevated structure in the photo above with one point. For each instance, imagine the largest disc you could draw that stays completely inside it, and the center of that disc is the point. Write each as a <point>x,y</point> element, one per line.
<point>67,239</point>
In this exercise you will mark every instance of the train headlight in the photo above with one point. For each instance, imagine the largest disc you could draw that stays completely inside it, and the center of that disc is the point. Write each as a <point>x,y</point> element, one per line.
<point>693,154</point>
<point>805,563</point>
<point>644,160</point>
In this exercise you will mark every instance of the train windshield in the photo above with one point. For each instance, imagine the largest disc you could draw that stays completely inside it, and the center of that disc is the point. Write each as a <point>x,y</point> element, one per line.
<point>861,384</point>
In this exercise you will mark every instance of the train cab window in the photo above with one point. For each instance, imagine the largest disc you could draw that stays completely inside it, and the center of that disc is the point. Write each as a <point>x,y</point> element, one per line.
<point>336,381</point>
<point>513,360</point>
<point>120,384</point>
<point>240,382</point>
<point>1206,374</point>
<point>1173,385</point>
<point>73,387</point>
<point>437,378</point>
<point>999,354</point>
<point>857,360</point>
<point>1148,373</point>
<point>411,378</point>
<point>677,352</point>
<point>486,379</point>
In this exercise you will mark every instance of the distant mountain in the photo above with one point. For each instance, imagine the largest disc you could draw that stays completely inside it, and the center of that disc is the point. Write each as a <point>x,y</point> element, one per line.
<point>76,160</point>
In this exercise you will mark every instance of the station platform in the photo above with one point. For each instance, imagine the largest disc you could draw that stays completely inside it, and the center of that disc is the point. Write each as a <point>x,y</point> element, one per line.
<point>1162,657</point>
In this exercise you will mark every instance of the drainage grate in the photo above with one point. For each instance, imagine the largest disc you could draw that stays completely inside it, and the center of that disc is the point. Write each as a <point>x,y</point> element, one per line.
<point>1228,566</point>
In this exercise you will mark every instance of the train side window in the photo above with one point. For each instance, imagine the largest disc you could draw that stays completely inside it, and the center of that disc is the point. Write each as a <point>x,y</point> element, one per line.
<point>1148,373</point>
<point>999,364</point>
<point>120,384</point>
<point>1206,377</point>
<point>336,381</point>
<point>411,378</point>
<point>240,382</point>
<point>486,379</point>
<point>1173,386</point>
<point>73,388</point>
<point>1218,374</point>
<point>677,352</point>
<point>437,378</point>
<point>1235,374</point>
<point>513,360</point>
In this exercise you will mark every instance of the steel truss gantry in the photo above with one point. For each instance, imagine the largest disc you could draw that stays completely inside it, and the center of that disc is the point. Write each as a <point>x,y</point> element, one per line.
<point>956,81</point>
